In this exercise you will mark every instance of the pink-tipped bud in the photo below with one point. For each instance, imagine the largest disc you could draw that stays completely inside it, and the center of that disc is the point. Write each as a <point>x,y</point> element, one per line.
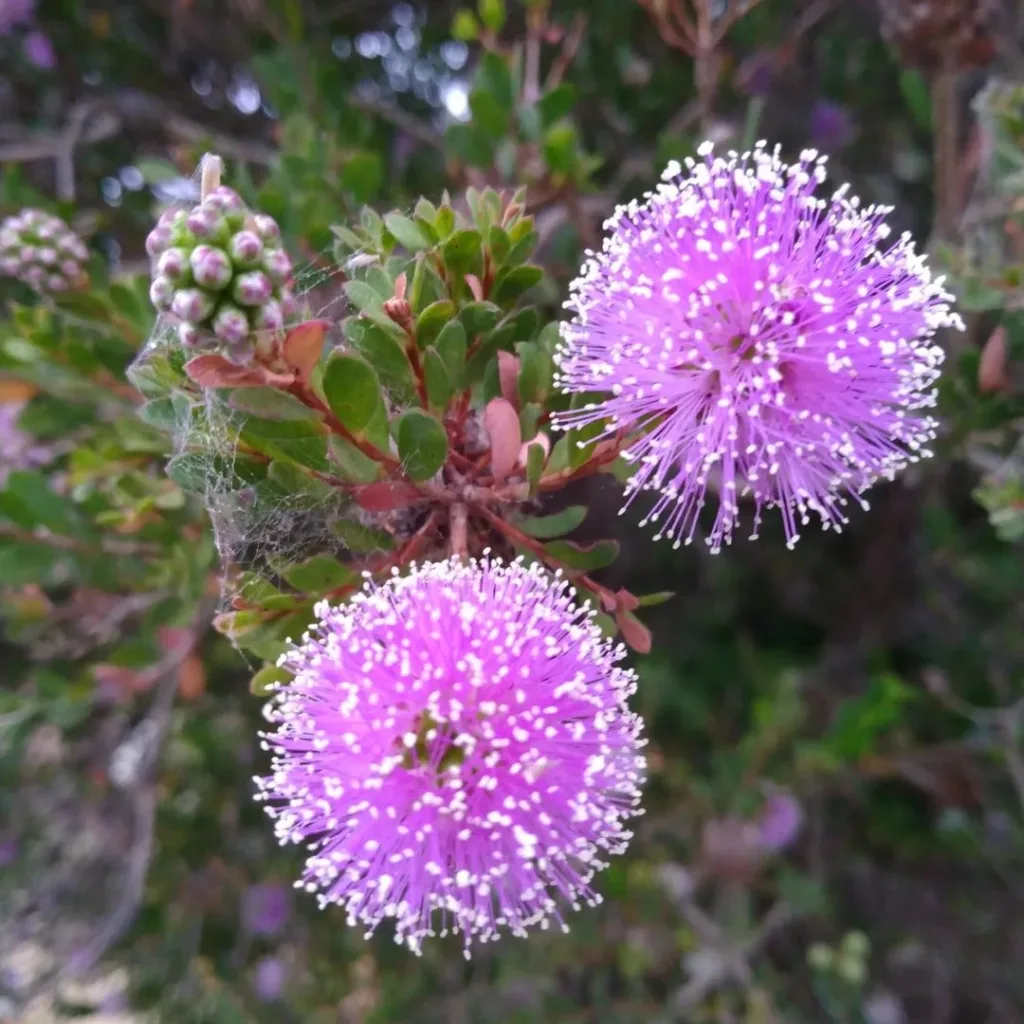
<point>71,270</point>
<point>289,304</point>
<point>172,218</point>
<point>231,325</point>
<point>173,263</point>
<point>192,305</point>
<point>57,283</point>
<point>211,267</point>
<point>269,317</point>
<point>157,240</point>
<point>73,246</point>
<point>190,336</point>
<point>47,232</point>
<point>35,277</point>
<point>161,293</point>
<point>224,199</point>
<point>206,222</point>
<point>246,248</point>
<point>252,289</point>
<point>48,256</point>
<point>266,227</point>
<point>29,254</point>
<point>9,266</point>
<point>278,265</point>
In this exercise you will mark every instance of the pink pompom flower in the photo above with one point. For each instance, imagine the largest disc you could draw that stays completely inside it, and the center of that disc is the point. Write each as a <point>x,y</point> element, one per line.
<point>456,750</point>
<point>755,340</point>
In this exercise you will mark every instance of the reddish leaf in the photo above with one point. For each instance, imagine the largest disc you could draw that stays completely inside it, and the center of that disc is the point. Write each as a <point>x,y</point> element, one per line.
<point>304,346</point>
<point>386,496</point>
<point>508,377</point>
<point>502,424</point>
<point>213,371</point>
<point>473,282</point>
<point>634,632</point>
<point>627,600</point>
<point>992,375</point>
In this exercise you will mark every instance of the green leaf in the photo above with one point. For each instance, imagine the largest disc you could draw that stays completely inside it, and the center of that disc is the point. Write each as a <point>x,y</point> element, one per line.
<point>445,222</point>
<point>650,600</point>
<point>465,27</point>
<point>557,103</point>
<point>84,305</point>
<point>514,282</point>
<point>319,575</point>
<point>498,243</point>
<point>492,13</point>
<point>561,147</point>
<point>302,441</point>
<point>430,322</point>
<point>422,444</point>
<point>28,501</point>
<point>494,75</point>
<point>585,558</point>
<point>296,484</point>
<point>350,463</point>
<point>363,175</point>
<point>268,679</point>
<point>470,144</point>
<point>407,232</point>
<point>352,390</point>
<point>479,317</point>
<point>535,459</point>
<point>917,97</point>
<point>451,346</point>
<point>439,386</point>
<point>270,404</point>
<point>462,249</point>
<point>386,355</point>
<point>160,413</point>
<point>363,540</point>
<point>488,113</point>
<point>555,525</point>
<point>362,295</point>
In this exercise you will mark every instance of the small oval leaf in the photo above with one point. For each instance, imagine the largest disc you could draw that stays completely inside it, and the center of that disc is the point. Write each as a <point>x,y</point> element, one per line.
<point>555,525</point>
<point>422,444</point>
<point>352,390</point>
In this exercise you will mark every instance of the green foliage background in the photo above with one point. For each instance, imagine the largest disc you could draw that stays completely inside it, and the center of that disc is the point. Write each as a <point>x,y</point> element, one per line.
<point>876,675</point>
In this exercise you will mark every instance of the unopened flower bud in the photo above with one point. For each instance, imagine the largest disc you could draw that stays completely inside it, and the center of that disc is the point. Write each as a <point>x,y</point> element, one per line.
<point>192,305</point>
<point>278,265</point>
<point>203,222</point>
<point>189,335</point>
<point>161,292</point>
<point>173,264</point>
<point>231,325</point>
<point>399,310</point>
<point>157,240</point>
<point>56,283</point>
<point>269,317</point>
<point>241,353</point>
<point>252,289</point>
<point>246,248</point>
<point>266,227</point>
<point>211,267</point>
<point>48,256</point>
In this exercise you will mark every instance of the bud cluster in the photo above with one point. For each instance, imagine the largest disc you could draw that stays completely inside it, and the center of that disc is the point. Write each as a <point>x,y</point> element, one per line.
<point>40,250</point>
<point>221,272</point>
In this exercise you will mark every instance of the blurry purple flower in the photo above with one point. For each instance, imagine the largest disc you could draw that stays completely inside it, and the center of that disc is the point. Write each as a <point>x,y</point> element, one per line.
<point>269,979</point>
<point>8,852</point>
<point>266,908</point>
<point>18,450</point>
<point>14,13</point>
<point>755,340</point>
<point>831,126</point>
<point>781,820</point>
<point>455,743</point>
<point>756,75</point>
<point>38,50</point>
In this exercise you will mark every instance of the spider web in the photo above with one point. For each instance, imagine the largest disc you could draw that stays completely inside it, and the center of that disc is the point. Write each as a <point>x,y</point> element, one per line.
<point>263,518</point>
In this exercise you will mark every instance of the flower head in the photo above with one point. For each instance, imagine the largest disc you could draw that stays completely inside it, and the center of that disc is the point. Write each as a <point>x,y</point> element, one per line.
<point>753,338</point>
<point>457,750</point>
<point>207,273</point>
<point>40,250</point>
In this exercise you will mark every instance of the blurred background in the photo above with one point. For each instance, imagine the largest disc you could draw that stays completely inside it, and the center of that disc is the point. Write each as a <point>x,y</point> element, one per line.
<point>835,816</point>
